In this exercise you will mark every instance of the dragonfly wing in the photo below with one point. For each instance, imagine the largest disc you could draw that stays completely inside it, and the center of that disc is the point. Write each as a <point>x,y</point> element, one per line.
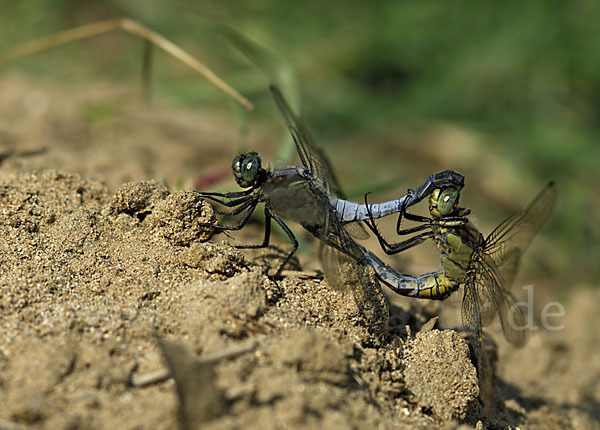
<point>470,311</point>
<point>311,156</point>
<point>492,287</point>
<point>356,230</point>
<point>339,244</point>
<point>295,198</point>
<point>510,239</point>
<point>339,248</point>
<point>506,266</point>
<point>336,265</point>
<point>499,262</point>
<point>487,307</point>
<point>471,320</point>
<point>486,310</point>
<point>338,252</point>
<point>333,260</point>
<point>357,280</point>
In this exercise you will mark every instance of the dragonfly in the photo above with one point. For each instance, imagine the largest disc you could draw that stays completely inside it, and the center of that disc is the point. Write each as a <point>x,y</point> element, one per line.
<point>485,266</point>
<point>310,195</point>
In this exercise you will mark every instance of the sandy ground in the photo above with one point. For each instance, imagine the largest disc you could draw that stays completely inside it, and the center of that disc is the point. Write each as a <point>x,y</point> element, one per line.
<point>108,287</point>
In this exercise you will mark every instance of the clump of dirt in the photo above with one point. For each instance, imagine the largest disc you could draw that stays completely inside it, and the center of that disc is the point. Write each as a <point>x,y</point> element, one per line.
<point>180,217</point>
<point>439,375</point>
<point>138,198</point>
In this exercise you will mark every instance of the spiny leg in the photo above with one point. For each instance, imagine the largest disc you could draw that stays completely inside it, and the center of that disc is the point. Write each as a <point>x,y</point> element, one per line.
<point>267,233</point>
<point>407,231</point>
<point>242,204</point>
<point>401,246</point>
<point>242,222</point>
<point>451,221</point>
<point>411,217</point>
<point>292,238</point>
<point>268,217</point>
<point>230,203</point>
<point>405,244</point>
<point>230,195</point>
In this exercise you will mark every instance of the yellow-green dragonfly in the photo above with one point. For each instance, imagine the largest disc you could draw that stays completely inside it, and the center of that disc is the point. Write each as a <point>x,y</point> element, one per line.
<point>485,266</point>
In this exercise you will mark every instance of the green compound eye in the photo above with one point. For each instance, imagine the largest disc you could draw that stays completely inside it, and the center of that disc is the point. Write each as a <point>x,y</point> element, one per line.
<point>245,169</point>
<point>250,167</point>
<point>447,200</point>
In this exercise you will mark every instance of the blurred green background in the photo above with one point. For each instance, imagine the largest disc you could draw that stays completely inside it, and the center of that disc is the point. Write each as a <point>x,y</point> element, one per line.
<point>507,93</point>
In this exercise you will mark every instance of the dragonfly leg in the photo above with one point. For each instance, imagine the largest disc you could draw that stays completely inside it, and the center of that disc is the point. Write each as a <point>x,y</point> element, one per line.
<point>411,217</point>
<point>395,248</point>
<point>292,238</point>
<point>230,195</point>
<point>267,237</point>
<point>453,221</point>
<point>242,222</point>
<point>401,246</point>
<point>404,232</point>
<point>268,217</point>
<point>370,222</point>
<point>241,205</point>
<point>230,203</point>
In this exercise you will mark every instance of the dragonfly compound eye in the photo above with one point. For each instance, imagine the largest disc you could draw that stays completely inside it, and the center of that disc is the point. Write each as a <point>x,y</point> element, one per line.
<point>246,168</point>
<point>447,201</point>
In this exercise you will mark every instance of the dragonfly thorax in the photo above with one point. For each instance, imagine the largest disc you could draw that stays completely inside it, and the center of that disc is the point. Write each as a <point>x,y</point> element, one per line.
<point>247,169</point>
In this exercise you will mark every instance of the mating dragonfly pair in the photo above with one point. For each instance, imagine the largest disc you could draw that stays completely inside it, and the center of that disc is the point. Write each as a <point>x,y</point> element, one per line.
<point>310,194</point>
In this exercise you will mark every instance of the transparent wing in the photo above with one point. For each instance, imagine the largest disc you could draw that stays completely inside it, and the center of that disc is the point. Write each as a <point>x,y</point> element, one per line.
<point>338,252</point>
<point>471,321</point>
<point>357,280</point>
<point>336,266</point>
<point>470,311</point>
<point>338,248</point>
<point>507,243</point>
<point>486,302</point>
<point>295,198</point>
<point>356,230</point>
<point>486,310</point>
<point>491,288</point>
<point>311,156</point>
<point>499,261</point>
<point>310,206</point>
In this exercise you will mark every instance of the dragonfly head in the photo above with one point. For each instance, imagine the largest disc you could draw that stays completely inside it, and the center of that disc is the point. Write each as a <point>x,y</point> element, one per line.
<point>444,202</point>
<point>247,169</point>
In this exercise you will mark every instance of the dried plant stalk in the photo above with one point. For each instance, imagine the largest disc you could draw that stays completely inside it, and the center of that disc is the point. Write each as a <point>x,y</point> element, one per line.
<point>129,26</point>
